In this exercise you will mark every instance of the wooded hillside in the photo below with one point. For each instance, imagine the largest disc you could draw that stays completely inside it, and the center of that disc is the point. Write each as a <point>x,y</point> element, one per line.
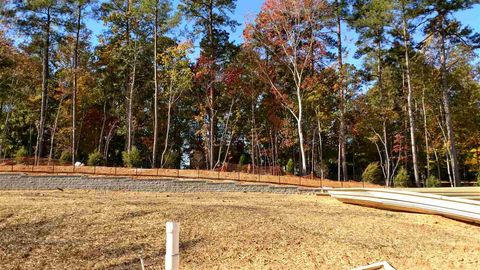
<point>165,85</point>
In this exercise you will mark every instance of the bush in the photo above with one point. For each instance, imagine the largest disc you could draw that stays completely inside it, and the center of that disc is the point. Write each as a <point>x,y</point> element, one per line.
<point>290,167</point>
<point>478,180</point>
<point>402,178</point>
<point>371,174</point>
<point>66,157</point>
<point>95,159</point>
<point>132,160</point>
<point>170,159</point>
<point>432,181</point>
<point>241,162</point>
<point>21,155</point>
<point>196,160</point>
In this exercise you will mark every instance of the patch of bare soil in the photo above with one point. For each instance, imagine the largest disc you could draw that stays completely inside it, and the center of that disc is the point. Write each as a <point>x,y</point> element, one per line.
<point>111,230</point>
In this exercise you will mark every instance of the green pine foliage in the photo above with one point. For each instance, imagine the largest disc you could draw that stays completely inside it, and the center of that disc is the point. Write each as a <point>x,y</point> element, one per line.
<point>402,178</point>
<point>371,174</point>
<point>95,159</point>
<point>21,155</point>
<point>65,157</point>
<point>241,162</point>
<point>132,159</point>
<point>290,167</point>
<point>432,182</point>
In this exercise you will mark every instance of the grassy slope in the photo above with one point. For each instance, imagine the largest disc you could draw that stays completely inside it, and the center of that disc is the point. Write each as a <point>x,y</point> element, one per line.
<point>110,230</point>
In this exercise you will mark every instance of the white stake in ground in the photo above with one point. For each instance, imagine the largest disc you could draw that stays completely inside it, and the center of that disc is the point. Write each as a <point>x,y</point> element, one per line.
<point>172,256</point>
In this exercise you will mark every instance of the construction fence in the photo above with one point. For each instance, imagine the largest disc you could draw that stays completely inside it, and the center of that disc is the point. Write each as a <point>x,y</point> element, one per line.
<point>306,181</point>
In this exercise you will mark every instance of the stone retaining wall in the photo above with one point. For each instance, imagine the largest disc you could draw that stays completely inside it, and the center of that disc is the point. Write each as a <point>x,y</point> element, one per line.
<point>28,182</point>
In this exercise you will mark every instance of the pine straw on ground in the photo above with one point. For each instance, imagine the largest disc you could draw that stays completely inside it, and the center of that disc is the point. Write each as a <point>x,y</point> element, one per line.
<point>111,230</point>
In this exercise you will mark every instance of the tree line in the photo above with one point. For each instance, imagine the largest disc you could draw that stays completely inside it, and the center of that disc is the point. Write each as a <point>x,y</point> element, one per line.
<point>134,95</point>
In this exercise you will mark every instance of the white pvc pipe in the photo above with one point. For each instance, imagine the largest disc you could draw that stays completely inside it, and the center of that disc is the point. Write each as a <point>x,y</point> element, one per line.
<point>172,256</point>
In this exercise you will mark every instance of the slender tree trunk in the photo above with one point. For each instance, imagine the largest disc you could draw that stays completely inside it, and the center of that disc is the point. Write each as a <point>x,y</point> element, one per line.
<point>54,130</point>
<point>409,100</point>
<point>341,92</point>
<point>253,136</point>
<point>155,96</point>
<point>313,152</point>
<point>448,114</point>
<point>224,134</point>
<point>130,104</point>
<point>212,83</point>
<point>5,130</point>
<point>427,148</point>
<point>84,110</point>
<point>320,151</point>
<point>167,132</point>
<point>108,139</point>
<point>104,120</point>
<point>438,165</point>
<point>45,78</point>
<point>339,165</point>
<point>384,119</point>
<point>127,75</point>
<point>299,129</point>
<point>301,142</point>
<point>75,86</point>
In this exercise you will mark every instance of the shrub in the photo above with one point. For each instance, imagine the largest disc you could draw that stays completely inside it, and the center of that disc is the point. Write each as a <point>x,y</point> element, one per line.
<point>478,180</point>
<point>432,181</point>
<point>290,167</point>
<point>21,155</point>
<point>197,159</point>
<point>371,174</point>
<point>241,162</point>
<point>95,159</point>
<point>65,157</point>
<point>402,178</point>
<point>170,159</point>
<point>319,168</point>
<point>132,159</point>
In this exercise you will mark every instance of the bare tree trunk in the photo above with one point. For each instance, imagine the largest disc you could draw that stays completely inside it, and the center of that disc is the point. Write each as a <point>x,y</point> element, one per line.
<point>224,133</point>
<point>320,152</point>
<point>438,164</point>
<point>104,120</point>
<point>427,148</point>
<point>409,100</point>
<point>130,104</point>
<point>155,96</point>
<point>302,149</point>
<point>80,129</point>
<point>448,114</point>
<point>384,120</point>
<point>54,129</point>
<point>108,139</point>
<point>299,128</point>
<point>75,86</point>
<point>341,91</point>
<point>5,130</point>
<point>253,136</point>
<point>127,74</point>
<point>212,85</point>
<point>45,78</point>
<point>167,133</point>
<point>339,161</point>
<point>313,152</point>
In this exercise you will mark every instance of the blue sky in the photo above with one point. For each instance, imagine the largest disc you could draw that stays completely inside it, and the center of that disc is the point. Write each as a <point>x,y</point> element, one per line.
<point>247,9</point>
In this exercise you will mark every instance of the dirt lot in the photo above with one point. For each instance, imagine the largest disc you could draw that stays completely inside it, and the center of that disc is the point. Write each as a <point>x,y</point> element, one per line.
<point>111,230</point>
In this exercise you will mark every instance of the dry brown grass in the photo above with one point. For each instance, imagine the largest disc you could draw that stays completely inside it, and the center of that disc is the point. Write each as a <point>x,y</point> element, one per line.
<point>110,230</point>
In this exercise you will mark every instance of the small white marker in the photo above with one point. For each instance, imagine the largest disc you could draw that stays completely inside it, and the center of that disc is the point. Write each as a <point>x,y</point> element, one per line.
<point>172,255</point>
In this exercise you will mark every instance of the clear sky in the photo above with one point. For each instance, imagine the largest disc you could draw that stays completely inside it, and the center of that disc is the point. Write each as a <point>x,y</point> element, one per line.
<point>247,9</point>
